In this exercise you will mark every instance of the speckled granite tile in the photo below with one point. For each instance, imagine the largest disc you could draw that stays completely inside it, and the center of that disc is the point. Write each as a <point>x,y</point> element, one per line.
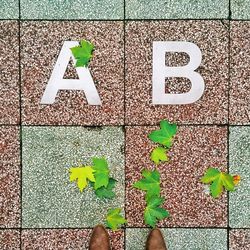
<point>49,200</point>
<point>39,54</point>
<point>9,9</point>
<point>9,72</point>
<point>240,9</point>
<point>180,239</point>
<point>239,239</point>
<point>211,37</point>
<point>239,158</point>
<point>9,177</point>
<point>65,239</point>
<point>240,73</point>
<point>181,9</point>
<point>72,9</point>
<point>195,149</point>
<point>9,239</point>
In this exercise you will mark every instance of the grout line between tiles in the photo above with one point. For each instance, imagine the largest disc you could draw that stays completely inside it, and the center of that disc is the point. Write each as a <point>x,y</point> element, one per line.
<point>228,118</point>
<point>124,121</point>
<point>20,118</point>
<point>127,19</point>
<point>125,125</point>
<point>127,227</point>
<point>123,228</point>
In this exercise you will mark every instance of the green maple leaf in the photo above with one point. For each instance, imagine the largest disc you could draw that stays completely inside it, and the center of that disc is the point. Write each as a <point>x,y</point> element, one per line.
<point>150,183</point>
<point>153,212</point>
<point>165,135</point>
<point>114,219</point>
<point>218,180</point>
<point>159,154</point>
<point>81,175</point>
<point>83,53</point>
<point>100,166</point>
<point>107,192</point>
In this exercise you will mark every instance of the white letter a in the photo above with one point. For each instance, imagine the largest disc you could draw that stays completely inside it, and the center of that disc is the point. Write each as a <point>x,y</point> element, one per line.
<point>56,81</point>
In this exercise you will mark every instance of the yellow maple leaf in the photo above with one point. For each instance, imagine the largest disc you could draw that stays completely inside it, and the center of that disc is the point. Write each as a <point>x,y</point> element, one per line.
<point>82,175</point>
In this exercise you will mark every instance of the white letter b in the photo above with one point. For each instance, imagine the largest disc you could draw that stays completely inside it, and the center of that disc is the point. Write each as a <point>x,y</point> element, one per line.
<point>161,72</point>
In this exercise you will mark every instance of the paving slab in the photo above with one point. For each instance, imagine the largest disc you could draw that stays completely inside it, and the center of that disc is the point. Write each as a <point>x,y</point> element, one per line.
<point>9,177</point>
<point>9,72</point>
<point>195,149</point>
<point>9,239</point>
<point>9,9</point>
<point>181,9</point>
<point>212,37</point>
<point>65,239</point>
<point>70,106</point>
<point>72,9</point>
<point>239,239</point>
<point>239,158</point>
<point>240,9</point>
<point>240,73</point>
<point>180,239</point>
<point>49,200</point>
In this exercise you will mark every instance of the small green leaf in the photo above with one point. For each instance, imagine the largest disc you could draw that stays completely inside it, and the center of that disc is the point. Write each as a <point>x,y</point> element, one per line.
<point>218,180</point>
<point>228,182</point>
<point>81,175</point>
<point>83,53</point>
<point>100,166</point>
<point>165,135</point>
<point>150,183</point>
<point>159,155</point>
<point>153,212</point>
<point>107,192</point>
<point>114,219</point>
<point>210,175</point>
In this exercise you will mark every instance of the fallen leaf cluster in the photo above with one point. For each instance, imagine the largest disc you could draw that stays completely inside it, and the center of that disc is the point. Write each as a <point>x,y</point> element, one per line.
<point>151,181</point>
<point>151,184</point>
<point>98,177</point>
<point>164,136</point>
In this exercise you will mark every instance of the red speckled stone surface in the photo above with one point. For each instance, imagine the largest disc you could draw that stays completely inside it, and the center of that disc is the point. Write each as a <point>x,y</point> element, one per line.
<point>9,177</point>
<point>240,239</point>
<point>9,239</point>
<point>212,37</point>
<point>240,73</point>
<point>195,149</point>
<point>41,43</point>
<point>9,73</point>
